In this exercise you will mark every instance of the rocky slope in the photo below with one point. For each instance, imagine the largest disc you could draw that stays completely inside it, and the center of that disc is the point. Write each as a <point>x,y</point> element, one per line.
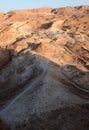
<point>44,69</point>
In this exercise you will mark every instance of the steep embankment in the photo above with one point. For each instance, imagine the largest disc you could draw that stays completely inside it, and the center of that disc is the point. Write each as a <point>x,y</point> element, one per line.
<point>44,69</point>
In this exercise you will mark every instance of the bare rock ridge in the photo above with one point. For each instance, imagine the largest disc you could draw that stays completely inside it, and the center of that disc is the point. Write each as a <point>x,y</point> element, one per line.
<point>44,69</point>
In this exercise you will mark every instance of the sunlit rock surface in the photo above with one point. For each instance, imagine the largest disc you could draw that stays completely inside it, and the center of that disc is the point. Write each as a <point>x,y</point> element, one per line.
<point>44,69</point>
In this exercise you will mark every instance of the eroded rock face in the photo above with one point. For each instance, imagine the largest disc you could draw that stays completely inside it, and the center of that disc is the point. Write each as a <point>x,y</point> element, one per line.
<point>44,69</point>
<point>5,57</point>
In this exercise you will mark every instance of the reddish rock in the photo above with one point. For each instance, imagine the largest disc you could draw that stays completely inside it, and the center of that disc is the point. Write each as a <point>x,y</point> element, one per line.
<point>45,80</point>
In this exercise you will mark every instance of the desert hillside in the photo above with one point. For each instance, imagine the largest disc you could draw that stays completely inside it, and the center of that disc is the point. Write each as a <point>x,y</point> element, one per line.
<point>44,69</point>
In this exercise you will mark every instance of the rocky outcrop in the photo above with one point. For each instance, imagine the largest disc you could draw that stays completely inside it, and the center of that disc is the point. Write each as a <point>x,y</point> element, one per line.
<point>44,69</point>
<point>5,57</point>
